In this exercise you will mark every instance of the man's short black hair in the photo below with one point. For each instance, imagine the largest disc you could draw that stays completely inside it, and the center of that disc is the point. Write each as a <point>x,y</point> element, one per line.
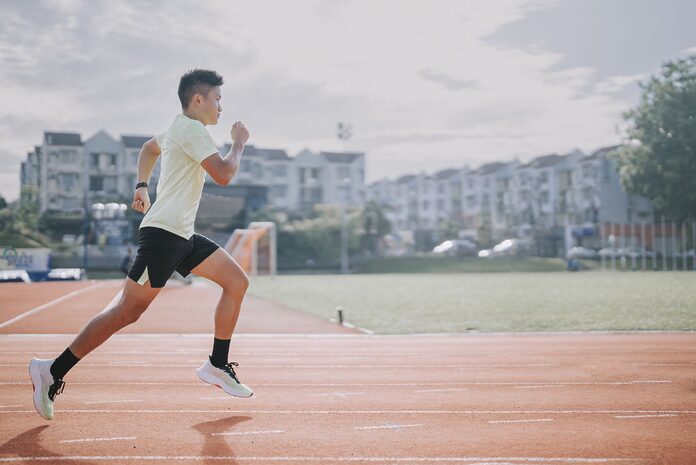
<point>197,81</point>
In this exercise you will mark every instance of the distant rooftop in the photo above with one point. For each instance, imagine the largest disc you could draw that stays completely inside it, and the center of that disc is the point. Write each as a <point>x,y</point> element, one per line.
<point>341,157</point>
<point>602,152</point>
<point>490,168</point>
<point>134,142</point>
<point>544,161</point>
<point>444,174</point>
<point>63,138</point>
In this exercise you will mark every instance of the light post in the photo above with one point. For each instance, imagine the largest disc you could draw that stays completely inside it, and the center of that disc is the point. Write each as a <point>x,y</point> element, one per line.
<point>345,190</point>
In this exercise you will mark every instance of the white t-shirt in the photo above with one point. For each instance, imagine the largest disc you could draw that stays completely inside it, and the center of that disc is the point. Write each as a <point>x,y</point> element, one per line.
<point>184,146</point>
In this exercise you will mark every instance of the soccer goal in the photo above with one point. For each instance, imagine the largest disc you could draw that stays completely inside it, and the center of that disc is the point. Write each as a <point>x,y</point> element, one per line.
<point>254,248</point>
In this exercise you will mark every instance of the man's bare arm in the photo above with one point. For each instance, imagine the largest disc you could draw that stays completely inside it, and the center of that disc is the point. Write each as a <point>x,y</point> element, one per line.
<point>222,169</point>
<point>146,162</point>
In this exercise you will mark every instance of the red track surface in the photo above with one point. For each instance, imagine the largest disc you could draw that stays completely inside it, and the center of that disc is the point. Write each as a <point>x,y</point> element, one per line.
<point>327,397</point>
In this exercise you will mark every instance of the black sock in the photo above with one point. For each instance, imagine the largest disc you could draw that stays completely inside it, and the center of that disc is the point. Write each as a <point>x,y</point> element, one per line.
<point>63,364</point>
<point>221,348</point>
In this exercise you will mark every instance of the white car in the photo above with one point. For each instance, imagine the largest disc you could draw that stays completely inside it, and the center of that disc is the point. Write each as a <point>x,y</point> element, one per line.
<point>455,247</point>
<point>582,252</point>
<point>485,253</point>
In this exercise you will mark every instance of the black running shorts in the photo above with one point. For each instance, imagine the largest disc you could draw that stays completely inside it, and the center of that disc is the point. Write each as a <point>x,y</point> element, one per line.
<point>161,252</point>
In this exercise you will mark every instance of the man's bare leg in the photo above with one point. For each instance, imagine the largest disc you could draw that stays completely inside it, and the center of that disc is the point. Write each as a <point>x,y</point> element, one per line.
<point>135,299</point>
<point>47,375</point>
<point>220,268</point>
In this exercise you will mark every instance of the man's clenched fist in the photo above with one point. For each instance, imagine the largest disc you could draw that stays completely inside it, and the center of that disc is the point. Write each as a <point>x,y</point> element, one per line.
<point>239,133</point>
<point>141,200</point>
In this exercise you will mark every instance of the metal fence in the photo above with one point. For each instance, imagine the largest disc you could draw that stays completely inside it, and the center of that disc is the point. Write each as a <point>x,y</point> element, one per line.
<point>663,246</point>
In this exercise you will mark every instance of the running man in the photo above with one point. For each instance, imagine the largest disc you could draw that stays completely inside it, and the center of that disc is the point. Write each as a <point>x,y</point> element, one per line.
<point>167,241</point>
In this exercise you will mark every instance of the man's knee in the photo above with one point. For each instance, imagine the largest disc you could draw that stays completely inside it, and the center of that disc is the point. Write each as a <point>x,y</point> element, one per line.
<point>130,311</point>
<point>236,285</point>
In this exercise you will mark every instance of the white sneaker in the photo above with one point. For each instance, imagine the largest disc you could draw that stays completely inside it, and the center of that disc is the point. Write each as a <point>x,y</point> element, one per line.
<point>45,387</point>
<point>224,378</point>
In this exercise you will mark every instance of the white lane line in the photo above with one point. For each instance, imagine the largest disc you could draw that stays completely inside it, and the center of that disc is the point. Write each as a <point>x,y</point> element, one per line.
<point>128,362</point>
<point>389,426</point>
<point>112,401</point>
<point>243,433</point>
<point>645,416</point>
<point>455,383</point>
<point>667,364</point>
<point>231,459</point>
<point>338,394</point>
<point>290,366</point>
<point>539,386</point>
<point>441,390</point>
<point>10,406</point>
<point>130,438</point>
<point>533,420</point>
<point>53,302</point>
<point>373,412</point>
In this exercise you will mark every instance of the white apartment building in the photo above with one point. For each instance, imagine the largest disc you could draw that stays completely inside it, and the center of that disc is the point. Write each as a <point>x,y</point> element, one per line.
<point>266,167</point>
<point>511,198</point>
<point>327,178</point>
<point>58,173</point>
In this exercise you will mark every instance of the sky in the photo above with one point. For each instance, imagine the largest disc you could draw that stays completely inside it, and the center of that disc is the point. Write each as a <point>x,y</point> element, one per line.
<point>424,85</point>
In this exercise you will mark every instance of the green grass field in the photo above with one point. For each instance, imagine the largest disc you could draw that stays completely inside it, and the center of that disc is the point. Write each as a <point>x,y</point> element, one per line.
<point>436,303</point>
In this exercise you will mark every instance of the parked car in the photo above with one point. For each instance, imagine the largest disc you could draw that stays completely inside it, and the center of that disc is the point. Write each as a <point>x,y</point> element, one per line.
<point>582,252</point>
<point>609,252</point>
<point>630,252</point>
<point>485,253</point>
<point>455,247</point>
<point>508,247</point>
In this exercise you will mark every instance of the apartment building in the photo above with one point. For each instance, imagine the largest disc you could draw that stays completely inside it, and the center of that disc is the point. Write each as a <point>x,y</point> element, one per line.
<point>512,198</point>
<point>327,178</point>
<point>61,172</point>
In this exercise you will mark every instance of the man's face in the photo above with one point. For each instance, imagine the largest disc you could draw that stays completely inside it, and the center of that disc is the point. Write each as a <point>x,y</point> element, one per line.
<point>210,107</point>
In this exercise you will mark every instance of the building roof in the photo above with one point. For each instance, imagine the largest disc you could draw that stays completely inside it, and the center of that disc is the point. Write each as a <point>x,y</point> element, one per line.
<point>405,179</point>
<point>275,154</point>
<point>341,157</point>
<point>602,152</point>
<point>134,142</point>
<point>490,168</point>
<point>63,138</point>
<point>444,174</point>
<point>253,151</point>
<point>544,161</point>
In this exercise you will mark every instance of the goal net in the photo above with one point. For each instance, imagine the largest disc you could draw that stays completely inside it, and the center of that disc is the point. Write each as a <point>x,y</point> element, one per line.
<point>254,248</point>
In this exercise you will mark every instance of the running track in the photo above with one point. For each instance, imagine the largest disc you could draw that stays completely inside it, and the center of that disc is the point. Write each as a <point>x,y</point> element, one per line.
<point>327,394</point>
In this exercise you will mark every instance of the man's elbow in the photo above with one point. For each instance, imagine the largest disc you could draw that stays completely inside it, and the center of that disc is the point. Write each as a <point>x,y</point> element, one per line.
<point>224,178</point>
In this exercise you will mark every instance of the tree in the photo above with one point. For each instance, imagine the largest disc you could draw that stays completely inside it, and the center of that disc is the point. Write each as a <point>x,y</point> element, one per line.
<point>375,227</point>
<point>660,160</point>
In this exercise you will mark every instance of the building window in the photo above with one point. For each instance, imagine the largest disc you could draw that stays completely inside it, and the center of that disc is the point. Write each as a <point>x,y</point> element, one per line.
<point>67,181</point>
<point>280,171</point>
<point>343,172</point>
<point>279,191</point>
<point>96,183</point>
<point>245,166</point>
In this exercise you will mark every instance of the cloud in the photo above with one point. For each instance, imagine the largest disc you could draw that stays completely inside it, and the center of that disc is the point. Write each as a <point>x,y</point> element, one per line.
<point>446,81</point>
<point>420,82</point>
